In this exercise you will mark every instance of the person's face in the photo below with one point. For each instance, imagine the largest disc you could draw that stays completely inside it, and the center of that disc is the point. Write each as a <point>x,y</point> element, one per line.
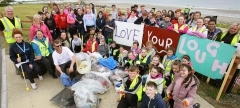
<point>136,8</point>
<point>45,9</point>
<point>92,31</point>
<point>39,35</point>
<point>132,75</point>
<point>88,11</point>
<point>48,15</point>
<point>75,37</point>
<point>184,72</point>
<point>54,6</point>
<point>180,20</point>
<point>178,14</point>
<point>170,12</point>
<point>77,6</point>
<point>142,9</point>
<point>196,15</point>
<point>133,14</point>
<point>63,36</point>
<point>102,42</point>
<point>149,47</point>
<point>58,47</point>
<point>175,68</point>
<point>100,15</point>
<point>80,11</point>
<point>199,22</point>
<point>169,53</point>
<point>61,11</point>
<point>18,37</point>
<point>135,46</point>
<point>113,45</point>
<point>130,55</point>
<point>144,53</point>
<point>113,8</point>
<point>121,49</point>
<point>91,37</point>
<point>110,17</point>
<point>158,14</point>
<point>128,10</point>
<point>155,60</point>
<point>119,10</point>
<point>99,35</point>
<point>154,72</point>
<point>150,15</point>
<point>167,19</point>
<point>152,20</point>
<point>211,25</point>
<point>144,17</point>
<point>69,6</point>
<point>54,13</point>
<point>72,12</point>
<point>9,13</point>
<point>206,20</point>
<point>233,30</point>
<point>150,91</point>
<point>91,6</point>
<point>102,9</point>
<point>185,61</point>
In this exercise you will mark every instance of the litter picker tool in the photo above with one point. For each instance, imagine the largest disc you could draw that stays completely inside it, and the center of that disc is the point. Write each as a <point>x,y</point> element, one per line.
<point>27,88</point>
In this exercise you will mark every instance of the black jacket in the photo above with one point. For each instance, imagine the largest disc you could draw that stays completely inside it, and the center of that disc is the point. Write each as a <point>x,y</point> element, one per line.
<point>50,22</point>
<point>14,50</point>
<point>140,20</point>
<point>100,23</point>
<point>79,18</point>
<point>110,24</point>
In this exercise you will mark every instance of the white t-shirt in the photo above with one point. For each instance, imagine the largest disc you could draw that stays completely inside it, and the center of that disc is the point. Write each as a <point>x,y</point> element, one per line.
<point>132,20</point>
<point>62,58</point>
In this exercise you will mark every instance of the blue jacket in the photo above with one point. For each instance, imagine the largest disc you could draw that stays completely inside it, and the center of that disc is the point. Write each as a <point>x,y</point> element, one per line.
<point>36,47</point>
<point>89,20</point>
<point>156,102</point>
<point>172,58</point>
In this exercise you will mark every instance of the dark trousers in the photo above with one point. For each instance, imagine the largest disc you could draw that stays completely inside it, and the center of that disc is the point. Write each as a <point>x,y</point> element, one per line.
<point>72,30</point>
<point>143,70</point>
<point>29,71</point>
<point>67,65</point>
<point>48,63</point>
<point>107,35</point>
<point>54,35</point>
<point>80,31</point>
<point>88,31</point>
<point>57,32</point>
<point>130,100</point>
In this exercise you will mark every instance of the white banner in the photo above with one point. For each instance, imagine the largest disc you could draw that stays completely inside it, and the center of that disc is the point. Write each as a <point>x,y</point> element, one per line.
<point>126,33</point>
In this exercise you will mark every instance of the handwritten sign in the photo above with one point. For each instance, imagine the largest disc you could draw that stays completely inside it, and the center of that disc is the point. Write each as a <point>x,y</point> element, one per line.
<point>127,33</point>
<point>161,38</point>
<point>209,57</point>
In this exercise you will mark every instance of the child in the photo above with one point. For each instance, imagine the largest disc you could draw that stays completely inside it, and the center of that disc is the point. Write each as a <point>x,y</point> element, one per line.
<point>168,60</point>
<point>156,61</point>
<point>166,22</point>
<point>152,99</point>
<point>129,60</point>
<point>92,45</point>
<point>152,22</point>
<point>103,48</point>
<point>174,73</point>
<point>187,84</point>
<point>186,60</point>
<point>114,50</point>
<point>156,76</point>
<point>150,50</point>
<point>135,48</point>
<point>76,42</point>
<point>143,60</point>
<point>131,89</point>
<point>65,39</point>
<point>99,36</point>
<point>123,18</point>
<point>109,28</point>
<point>123,53</point>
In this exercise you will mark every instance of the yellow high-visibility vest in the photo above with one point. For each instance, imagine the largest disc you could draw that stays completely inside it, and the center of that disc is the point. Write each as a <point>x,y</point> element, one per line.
<point>93,46</point>
<point>9,27</point>
<point>181,28</point>
<point>169,64</point>
<point>234,40</point>
<point>43,48</point>
<point>201,30</point>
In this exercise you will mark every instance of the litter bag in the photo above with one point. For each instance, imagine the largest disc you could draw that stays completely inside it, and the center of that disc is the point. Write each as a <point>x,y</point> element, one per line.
<point>83,63</point>
<point>109,62</point>
<point>100,77</point>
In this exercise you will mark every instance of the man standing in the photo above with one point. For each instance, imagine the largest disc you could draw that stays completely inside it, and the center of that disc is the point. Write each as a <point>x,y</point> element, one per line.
<point>64,58</point>
<point>114,13</point>
<point>7,23</point>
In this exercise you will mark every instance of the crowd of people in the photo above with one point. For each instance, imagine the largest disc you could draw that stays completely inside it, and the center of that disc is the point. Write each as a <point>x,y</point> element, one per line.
<point>57,34</point>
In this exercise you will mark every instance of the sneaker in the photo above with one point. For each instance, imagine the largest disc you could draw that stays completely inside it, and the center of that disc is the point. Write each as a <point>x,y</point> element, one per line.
<point>40,77</point>
<point>34,86</point>
<point>54,76</point>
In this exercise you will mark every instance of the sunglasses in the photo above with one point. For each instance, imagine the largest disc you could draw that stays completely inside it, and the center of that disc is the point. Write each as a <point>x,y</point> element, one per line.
<point>58,46</point>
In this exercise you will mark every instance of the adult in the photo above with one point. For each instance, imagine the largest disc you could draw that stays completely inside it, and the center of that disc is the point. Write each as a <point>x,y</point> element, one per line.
<point>179,27</point>
<point>143,10</point>
<point>76,9</point>
<point>190,18</point>
<point>206,20</point>
<point>71,23</point>
<point>114,13</point>
<point>38,24</point>
<point>164,11</point>
<point>55,16</point>
<point>231,35</point>
<point>177,14</point>
<point>44,9</point>
<point>89,20</point>
<point>62,23</point>
<point>7,23</point>
<point>199,30</point>
<point>100,22</point>
<point>109,27</point>
<point>64,58</point>
<point>133,17</point>
<point>92,8</point>
<point>193,22</point>
<point>25,61</point>
<point>213,31</point>
<point>50,22</point>
<point>55,8</point>
<point>171,13</point>
<point>43,52</point>
<point>79,22</point>
<point>143,19</point>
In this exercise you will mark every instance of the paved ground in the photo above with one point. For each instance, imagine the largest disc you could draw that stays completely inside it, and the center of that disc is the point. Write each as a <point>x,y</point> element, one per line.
<point>18,97</point>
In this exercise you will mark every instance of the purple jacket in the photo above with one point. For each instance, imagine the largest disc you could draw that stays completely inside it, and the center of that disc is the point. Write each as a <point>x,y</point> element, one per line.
<point>180,93</point>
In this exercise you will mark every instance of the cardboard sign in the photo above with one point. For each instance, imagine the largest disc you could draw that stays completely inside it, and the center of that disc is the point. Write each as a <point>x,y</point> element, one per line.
<point>127,33</point>
<point>208,57</point>
<point>161,38</point>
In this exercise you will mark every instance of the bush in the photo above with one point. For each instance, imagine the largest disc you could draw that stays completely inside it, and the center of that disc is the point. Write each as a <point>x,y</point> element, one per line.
<point>20,2</point>
<point>4,4</point>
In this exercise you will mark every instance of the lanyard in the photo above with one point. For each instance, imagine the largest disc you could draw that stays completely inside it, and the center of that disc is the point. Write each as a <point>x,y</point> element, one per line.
<point>23,50</point>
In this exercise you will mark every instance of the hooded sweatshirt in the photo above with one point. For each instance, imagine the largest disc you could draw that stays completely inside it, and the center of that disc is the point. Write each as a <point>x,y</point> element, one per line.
<point>36,47</point>
<point>62,23</point>
<point>103,49</point>
<point>158,80</point>
<point>42,27</point>
<point>156,102</point>
<point>89,20</point>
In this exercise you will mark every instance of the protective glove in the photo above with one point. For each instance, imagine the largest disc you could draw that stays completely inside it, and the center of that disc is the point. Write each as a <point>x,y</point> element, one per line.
<point>138,62</point>
<point>169,95</point>
<point>185,103</point>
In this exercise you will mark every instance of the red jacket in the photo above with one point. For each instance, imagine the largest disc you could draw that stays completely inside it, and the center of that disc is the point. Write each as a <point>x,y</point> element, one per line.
<point>174,21</point>
<point>62,21</point>
<point>129,14</point>
<point>89,46</point>
<point>56,18</point>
